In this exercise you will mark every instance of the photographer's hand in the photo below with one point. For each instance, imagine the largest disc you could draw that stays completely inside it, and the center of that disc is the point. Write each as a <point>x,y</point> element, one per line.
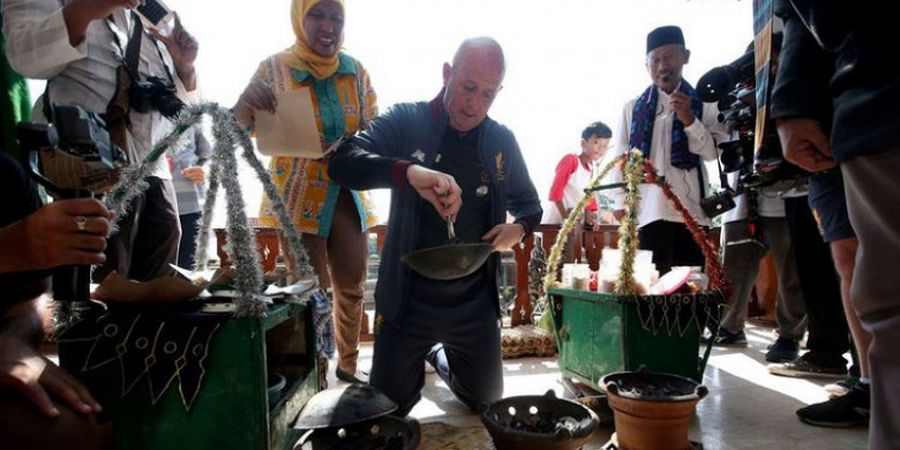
<point>184,48</point>
<point>62,233</point>
<point>805,144</point>
<point>681,104</point>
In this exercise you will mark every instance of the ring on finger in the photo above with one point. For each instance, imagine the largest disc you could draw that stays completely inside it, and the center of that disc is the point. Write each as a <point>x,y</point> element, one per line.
<point>80,222</point>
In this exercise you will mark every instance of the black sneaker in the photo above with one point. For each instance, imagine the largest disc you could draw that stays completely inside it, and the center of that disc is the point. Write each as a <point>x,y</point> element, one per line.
<point>783,350</point>
<point>846,411</point>
<point>726,338</point>
<point>812,365</point>
<point>842,387</point>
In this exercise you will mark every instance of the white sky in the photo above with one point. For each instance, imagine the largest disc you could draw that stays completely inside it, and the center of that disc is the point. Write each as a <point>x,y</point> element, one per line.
<point>569,62</point>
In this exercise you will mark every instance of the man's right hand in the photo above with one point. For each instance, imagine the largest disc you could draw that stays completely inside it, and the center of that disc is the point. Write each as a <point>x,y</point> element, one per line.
<point>805,144</point>
<point>61,233</point>
<point>437,188</point>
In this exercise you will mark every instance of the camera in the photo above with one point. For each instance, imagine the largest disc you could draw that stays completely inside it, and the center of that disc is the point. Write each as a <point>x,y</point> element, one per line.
<point>718,203</point>
<point>75,155</point>
<point>733,87</point>
<point>155,94</point>
<point>74,152</point>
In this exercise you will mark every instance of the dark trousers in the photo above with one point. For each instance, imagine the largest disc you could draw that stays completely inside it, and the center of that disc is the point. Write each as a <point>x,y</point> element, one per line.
<point>187,249</point>
<point>671,243</point>
<point>469,362</point>
<point>147,240</point>
<point>829,334</point>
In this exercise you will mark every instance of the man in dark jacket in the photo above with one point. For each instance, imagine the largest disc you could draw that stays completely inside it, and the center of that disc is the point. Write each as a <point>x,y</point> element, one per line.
<point>449,154</point>
<point>839,56</point>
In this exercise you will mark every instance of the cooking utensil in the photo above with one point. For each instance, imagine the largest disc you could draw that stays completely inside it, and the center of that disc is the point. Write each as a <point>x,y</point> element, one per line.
<point>451,261</point>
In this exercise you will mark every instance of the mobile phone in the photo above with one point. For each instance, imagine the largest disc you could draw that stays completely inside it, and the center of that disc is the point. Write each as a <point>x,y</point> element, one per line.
<point>156,12</point>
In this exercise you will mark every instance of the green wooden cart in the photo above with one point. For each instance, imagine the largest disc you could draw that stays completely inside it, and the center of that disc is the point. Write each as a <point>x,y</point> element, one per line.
<point>232,409</point>
<point>603,333</point>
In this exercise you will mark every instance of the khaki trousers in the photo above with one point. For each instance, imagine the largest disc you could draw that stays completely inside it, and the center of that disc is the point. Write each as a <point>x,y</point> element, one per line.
<point>340,261</point>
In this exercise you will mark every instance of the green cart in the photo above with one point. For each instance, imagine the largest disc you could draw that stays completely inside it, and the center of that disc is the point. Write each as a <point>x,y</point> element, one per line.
<point>233,409</point>
<point>603,333</point>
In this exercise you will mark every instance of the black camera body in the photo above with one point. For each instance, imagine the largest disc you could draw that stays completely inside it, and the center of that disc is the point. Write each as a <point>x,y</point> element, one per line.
<point>718,203</point>
<point>733,86</point>
<point>73,152</point>
<point>155,94</point>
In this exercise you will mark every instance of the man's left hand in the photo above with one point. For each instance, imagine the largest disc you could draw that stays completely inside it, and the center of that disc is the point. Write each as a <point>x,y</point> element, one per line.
<point>504,236</point>
<point>681,104</point>
<point>184,48</point>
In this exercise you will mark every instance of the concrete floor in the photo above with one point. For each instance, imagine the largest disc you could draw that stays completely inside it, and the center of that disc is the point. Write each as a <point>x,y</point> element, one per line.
<point>746,409</point>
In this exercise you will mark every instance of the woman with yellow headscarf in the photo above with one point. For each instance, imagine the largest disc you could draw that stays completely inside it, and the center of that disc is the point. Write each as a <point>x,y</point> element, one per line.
<point>332,219</point>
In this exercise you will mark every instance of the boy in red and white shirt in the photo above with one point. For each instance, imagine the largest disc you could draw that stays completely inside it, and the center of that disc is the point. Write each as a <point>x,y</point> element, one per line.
<point>574,173</point>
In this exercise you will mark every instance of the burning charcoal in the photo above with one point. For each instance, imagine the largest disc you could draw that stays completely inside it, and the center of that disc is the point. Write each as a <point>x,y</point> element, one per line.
<point>568,423</point>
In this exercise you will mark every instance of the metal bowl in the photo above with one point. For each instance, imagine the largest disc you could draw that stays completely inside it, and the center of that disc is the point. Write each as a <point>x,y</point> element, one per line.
<point>343,406</point>
<point>539,422</point>
<point>383,433</point>
<point>448,262</point>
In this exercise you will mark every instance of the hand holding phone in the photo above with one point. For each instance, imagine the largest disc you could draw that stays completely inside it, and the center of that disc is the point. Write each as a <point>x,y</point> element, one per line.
<point>155,12</point>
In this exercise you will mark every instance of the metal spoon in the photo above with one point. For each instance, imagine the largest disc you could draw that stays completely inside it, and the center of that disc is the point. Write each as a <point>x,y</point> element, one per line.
<point>451,234</point>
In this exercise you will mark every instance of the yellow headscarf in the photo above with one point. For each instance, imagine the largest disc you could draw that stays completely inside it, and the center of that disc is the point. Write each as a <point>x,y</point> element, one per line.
<point>300,56</point>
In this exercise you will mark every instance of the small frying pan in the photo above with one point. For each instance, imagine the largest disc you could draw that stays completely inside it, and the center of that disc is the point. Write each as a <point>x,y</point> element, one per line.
<point>451,261</point>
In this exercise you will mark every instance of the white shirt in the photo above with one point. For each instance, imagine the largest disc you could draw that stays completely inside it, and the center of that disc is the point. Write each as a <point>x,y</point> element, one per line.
<point>37,45</point>
<point>702,136</point>
<point>572,194</point>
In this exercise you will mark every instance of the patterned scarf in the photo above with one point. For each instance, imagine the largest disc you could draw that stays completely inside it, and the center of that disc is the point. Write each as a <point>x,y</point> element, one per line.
<point>643,117</point>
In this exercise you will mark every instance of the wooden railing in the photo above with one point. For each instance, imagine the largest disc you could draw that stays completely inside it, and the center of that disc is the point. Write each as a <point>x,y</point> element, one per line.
<point>594,242</point>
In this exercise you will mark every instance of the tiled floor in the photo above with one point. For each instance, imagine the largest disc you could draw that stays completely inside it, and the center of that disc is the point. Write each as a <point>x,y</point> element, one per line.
<point>746,409</point>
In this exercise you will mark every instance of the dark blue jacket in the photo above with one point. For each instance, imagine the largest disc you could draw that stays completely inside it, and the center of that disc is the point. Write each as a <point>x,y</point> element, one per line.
<point>411,133</point>
<point>838,65</point>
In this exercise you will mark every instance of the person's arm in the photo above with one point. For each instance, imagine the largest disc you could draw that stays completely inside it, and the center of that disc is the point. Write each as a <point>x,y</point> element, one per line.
<point>202,148</point>
<point>801,103</point>
<point>703,134</point>
<point>24,369</point>
<point>258,95</point>
<point>522,202</point>
<point>368,96</point>
<point>369,160</point>
<point>61,233</point>
<point>564,170</point>
<point>621,146</point>
<point>183,48</point>
<point>42,37</point>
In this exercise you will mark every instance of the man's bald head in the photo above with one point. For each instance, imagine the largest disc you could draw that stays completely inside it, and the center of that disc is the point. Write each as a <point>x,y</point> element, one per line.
<point>484,51</point>
<point>473,81</point>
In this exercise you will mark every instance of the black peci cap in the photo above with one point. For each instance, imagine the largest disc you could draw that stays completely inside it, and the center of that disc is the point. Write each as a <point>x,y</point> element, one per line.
<point>666,35</point>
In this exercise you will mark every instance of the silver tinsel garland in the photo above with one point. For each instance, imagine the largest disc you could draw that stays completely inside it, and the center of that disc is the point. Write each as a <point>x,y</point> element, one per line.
<point>241,237</point>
